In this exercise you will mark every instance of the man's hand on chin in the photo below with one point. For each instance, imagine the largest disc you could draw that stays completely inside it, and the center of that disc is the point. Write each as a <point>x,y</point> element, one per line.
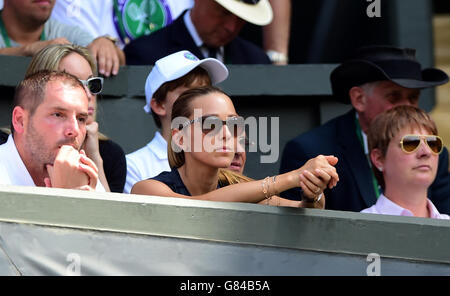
<point>72,170</point>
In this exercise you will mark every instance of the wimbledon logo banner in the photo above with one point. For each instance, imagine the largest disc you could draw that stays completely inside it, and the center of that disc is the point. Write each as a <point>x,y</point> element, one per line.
<point>135,18</point>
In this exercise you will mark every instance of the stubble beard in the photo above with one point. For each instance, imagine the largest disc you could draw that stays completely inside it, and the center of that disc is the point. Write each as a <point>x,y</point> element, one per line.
<point>39,151</point>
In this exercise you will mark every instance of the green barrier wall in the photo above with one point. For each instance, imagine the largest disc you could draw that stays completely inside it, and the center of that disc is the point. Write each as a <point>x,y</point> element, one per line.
<point>41,229</point>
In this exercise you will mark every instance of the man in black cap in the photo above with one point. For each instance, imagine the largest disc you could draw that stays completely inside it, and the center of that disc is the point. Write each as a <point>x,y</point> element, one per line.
<point>377,79</point>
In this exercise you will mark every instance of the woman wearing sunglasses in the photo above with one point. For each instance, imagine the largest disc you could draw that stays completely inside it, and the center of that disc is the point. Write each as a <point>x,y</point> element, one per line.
<point>76,60</point>
<point>205,128</point>
<point>404,149</point>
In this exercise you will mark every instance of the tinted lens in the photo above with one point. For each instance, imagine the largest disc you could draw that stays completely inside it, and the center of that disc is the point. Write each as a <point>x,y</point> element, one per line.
<point>95,85</point>
<point>211,124</point>
<point>435,143</point>
<point>410,143</point>
<point>236,125</point>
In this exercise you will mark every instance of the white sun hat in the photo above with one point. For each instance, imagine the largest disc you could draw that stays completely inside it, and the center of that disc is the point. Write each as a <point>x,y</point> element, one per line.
<point>258,12</point>
<point>177,65</point>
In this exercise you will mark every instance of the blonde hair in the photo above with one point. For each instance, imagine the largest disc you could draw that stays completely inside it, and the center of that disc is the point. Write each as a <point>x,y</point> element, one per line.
<point>182,108</point>
<point>51,56</point>
<point>5,130</point>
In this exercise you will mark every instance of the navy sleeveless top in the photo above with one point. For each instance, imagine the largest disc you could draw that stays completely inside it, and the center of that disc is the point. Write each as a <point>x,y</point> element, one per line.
<point>173,180</point>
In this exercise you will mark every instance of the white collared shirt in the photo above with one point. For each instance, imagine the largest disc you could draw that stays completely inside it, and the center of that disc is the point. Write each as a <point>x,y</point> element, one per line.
<point>364,138</point>
<point>12,169</point>
<point>14,172</point>
<point>198,41</point>
<point>147,162</point>
<point>386,206</point>
<point>366,145</point>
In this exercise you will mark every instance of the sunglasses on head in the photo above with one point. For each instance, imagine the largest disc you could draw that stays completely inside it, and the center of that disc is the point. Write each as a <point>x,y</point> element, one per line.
<point>411,143</point>
<point>214,124</point>
<point>94,84</point>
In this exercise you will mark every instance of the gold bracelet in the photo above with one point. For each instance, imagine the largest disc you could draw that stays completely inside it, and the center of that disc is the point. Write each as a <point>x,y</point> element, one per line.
<point>274,178</point>
<point>110,38</point>
<point>266,188</point>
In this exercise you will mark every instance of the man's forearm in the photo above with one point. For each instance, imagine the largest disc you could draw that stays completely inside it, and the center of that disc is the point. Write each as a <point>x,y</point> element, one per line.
<point>277,34</point>
<point>17,51</point>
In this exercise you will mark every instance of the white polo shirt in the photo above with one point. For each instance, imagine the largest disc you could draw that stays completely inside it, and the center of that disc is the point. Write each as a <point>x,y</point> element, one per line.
<point>147,162</point>
<point>12,169</point>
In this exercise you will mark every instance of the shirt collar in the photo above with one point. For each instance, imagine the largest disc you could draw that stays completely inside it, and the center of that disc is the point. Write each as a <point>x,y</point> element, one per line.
<point>364,138</point>
<point>19,172</point>
<point>366,146</point>
<point>434,213</point>
<point>17,168</point>
<point>191,28</point>
<point>159,146</point>
<point>386,206</point>
<point>197,40</point>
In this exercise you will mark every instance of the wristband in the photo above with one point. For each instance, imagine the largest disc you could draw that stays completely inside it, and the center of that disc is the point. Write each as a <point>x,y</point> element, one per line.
<point>277,57</point>
<point>110,38</point>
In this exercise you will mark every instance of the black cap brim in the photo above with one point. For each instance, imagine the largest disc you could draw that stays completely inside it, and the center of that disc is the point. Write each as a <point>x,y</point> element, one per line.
<point>358,72</point>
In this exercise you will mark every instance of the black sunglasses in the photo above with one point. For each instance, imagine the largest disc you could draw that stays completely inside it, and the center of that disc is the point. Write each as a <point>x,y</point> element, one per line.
<point>94,84</point>
<point>411,143</point>
<point>214,124</point>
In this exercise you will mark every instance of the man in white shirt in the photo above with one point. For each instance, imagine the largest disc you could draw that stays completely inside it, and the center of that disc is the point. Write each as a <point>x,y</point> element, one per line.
<point>48,128</point>
<point>171,76</point>
<point>26,28</point>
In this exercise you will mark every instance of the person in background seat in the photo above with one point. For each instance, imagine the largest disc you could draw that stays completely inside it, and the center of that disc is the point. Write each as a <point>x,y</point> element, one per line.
<point>404,149</point>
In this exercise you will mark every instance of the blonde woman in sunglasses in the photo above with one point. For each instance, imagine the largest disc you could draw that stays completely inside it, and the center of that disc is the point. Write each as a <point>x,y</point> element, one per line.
<point>76,60</point>
<point>404,150</point>
<point>203,145</point>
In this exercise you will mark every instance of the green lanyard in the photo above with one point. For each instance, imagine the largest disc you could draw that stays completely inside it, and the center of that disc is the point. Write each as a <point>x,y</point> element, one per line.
<point>361,140</point>
<point>5,34</point>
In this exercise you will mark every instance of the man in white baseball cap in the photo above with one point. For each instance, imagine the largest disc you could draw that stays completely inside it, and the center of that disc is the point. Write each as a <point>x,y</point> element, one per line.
<point>209,29</point>
<point>171,76</point>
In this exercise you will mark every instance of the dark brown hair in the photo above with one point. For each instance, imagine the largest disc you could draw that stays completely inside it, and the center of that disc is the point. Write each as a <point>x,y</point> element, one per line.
<point>197,76</point>
<point>30,92</point>
<point>182,107</point>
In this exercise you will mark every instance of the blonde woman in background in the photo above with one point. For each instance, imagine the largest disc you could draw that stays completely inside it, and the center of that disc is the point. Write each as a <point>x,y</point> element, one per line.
<point>76,60</point>
<point>4,133</point>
